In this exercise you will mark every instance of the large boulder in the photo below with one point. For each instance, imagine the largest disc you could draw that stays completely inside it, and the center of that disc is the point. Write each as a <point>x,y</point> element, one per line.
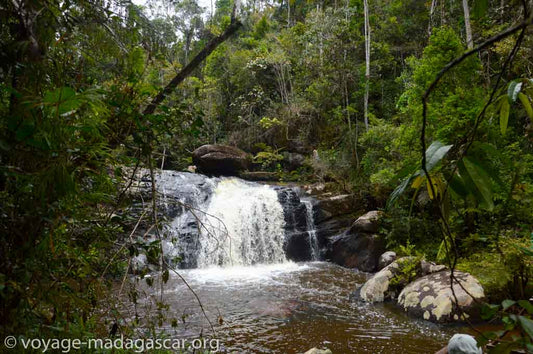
<point>431,297</point>
<point>220,160</point>
<point>359,251</point>
<point>334,206</point>
<point>367,223</point>
<point>327,230</point>
<point>358,247</point>
<point>389,281</point>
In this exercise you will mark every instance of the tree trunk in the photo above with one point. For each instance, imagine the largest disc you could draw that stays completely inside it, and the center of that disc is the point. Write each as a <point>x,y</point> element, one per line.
<point>288,13</point>
<point>367,60</point>
<point>431,12</point>
<point>468,29</point>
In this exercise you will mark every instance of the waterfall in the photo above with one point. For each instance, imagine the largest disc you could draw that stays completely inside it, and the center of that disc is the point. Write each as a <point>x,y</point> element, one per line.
<point>311,229</point>
<point>243,225</point>
<point>210,221</point>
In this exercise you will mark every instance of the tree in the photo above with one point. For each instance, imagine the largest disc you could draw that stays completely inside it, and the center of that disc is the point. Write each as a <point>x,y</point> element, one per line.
<point>468,28</point>
<point>367,60</point>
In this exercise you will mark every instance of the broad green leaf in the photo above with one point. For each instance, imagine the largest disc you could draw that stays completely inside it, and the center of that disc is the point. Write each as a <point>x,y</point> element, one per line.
<point>25,130</point>
<point>477,182</point>
<point>488,311</point>
<point>435,152</point>
<point>507,303</point>
<point>527,105</point>
<point>457,185</point>
<point>504,116</point>
<point>513,90</point>
<point>399,191</point>
<point>63,99</point>
<point>528,306</point>
<point>527,325</point>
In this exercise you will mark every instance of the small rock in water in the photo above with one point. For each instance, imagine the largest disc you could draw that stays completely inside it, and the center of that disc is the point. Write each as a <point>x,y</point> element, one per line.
<point>318,351</point>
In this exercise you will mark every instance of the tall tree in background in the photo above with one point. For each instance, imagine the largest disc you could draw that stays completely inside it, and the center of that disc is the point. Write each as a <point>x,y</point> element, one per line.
<point>367,59</point>
<point>468,28</point>
<point>189,21</point>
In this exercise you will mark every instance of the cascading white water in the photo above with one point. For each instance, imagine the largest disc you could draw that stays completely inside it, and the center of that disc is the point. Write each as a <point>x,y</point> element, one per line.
<point>243,225</point>
<point>311,229</point>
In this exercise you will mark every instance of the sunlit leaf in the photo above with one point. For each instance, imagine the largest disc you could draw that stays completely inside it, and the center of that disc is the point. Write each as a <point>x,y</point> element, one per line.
<point>513,90</point>
<point>504,116</point>
<point>62,100</point>
<point>527,105</point>
<point>435,152</point>
<point>417,182</point>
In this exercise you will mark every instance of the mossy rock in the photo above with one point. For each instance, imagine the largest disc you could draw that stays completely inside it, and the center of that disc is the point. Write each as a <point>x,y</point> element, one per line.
<point>431,297</point>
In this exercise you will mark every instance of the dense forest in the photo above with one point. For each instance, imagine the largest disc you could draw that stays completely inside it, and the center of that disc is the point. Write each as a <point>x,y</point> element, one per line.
<point>423,109</point>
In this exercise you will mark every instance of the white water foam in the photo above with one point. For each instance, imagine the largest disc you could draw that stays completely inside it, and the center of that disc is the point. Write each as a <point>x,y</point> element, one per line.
<point>243,225</point>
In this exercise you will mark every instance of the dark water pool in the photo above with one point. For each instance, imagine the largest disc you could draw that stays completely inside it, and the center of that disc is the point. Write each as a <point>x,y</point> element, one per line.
<point>290,308</point>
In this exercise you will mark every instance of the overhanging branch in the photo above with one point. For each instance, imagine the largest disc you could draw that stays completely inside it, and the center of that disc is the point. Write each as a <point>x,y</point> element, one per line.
<point>193,64</point>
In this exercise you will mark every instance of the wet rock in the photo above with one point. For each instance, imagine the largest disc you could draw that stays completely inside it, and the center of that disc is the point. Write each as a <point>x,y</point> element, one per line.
<point>294,210</point>
<point>298,247</point>
<point>386,283</point>
<point>430,267</point>
<point>431,297</point>
<point>297,244</point>
<point>318,351</point>
<point>259,176</point>
<point>334,206</point>
<point>358,250</point>
<point>368,223</point>
<point>326,230</point>
<point>385,259</point>
<point>220,160</point>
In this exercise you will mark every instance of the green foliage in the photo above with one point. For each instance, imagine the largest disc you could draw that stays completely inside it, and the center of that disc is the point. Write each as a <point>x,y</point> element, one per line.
<point>408,270</point>
<point>74,77</point>
<point>269,158</point>
<point>516,317</point>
